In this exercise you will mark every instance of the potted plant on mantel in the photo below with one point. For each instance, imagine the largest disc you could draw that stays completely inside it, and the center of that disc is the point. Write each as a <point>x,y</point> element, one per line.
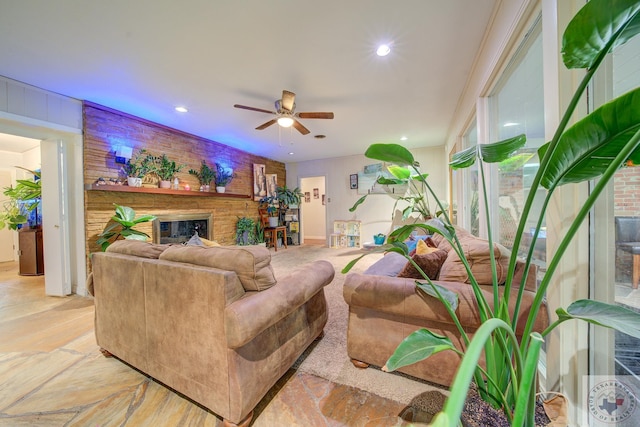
<point>137,167</point>
<point>595,147</point>
<point>205,175</point>
<point>223,177</point>
<point>166,170</point>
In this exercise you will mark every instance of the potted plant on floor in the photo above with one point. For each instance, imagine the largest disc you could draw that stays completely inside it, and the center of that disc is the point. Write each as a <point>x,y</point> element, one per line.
<point>123,226</point>
<point>205,175</point>
<point>260,234</point>
<point>137,167</point>
<point>222,177</point>
<point>594,147</point>
<point>166,170</point>
<point>245,231</point>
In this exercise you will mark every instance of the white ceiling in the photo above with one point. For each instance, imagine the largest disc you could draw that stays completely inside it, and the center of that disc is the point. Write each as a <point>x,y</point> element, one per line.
<point>145,57</point>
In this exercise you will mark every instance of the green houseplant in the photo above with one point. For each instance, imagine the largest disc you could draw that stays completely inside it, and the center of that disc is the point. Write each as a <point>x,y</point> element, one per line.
<point>289,197</point>
<point>245,231</point>
<point>137,167</point>
<point>166,169</point>
<point>205,175</point>
<point>123,222</point>
<point>15,209</point>
<point>594,147</point>
<point>222,177</point>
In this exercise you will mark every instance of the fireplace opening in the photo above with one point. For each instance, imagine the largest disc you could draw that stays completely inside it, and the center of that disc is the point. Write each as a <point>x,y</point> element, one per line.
<point>179,228</point>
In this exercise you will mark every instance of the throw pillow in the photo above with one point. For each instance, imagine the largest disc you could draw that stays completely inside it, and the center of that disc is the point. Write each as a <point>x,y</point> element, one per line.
<point>429,263</point>
<point>389,265</point>
<point>195,241</point>
<point>209,243</point>
<point>423,248</point>
<point>477,252</point>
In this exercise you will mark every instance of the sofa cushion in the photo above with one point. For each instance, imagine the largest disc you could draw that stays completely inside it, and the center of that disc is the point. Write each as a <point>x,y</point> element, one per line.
<point>430,263</point>
<point>389,265</point>
<point>137,248</point>
<point>252,264</point>
<point>476,251</point>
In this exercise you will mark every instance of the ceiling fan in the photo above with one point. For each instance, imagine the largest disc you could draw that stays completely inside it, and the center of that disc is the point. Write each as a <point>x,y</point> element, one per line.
<point>286,115</point>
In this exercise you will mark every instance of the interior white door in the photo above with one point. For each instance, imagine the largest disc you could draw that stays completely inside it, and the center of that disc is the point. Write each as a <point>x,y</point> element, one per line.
<point>6,236</point>
<point>55,218</point>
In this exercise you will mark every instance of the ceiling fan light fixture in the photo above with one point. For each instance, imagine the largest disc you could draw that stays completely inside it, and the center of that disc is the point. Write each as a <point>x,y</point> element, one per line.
<point>285,121</point>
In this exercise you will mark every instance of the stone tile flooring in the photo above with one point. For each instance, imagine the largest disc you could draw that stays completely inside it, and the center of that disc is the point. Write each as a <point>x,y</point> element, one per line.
<point>53,374</point>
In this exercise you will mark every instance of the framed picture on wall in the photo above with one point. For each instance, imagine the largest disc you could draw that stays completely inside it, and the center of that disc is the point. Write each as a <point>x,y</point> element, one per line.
<point>272,184</point>
<point>307,197</point>
<point>353,181</point>
<point>259,182</point>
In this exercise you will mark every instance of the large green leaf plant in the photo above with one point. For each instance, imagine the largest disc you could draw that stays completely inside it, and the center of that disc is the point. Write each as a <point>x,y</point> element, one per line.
<point>595,147</point>
<point>14,210</point>
<point>122,226</point>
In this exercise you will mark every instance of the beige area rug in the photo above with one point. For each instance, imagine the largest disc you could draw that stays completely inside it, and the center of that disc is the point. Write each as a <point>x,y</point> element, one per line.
<point>328,358</point>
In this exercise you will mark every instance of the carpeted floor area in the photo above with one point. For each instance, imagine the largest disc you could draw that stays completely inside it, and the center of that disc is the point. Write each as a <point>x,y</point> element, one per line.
<point>328,358</point>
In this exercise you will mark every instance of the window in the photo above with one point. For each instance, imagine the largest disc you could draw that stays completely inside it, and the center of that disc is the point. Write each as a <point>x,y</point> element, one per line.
<point>516,107</point>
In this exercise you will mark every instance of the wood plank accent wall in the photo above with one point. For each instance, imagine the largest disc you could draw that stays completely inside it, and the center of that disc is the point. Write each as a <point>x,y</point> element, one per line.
<point>105,128</point>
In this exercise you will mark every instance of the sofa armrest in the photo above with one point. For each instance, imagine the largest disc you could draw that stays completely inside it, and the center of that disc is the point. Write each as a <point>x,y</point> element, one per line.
<point>249,316</point>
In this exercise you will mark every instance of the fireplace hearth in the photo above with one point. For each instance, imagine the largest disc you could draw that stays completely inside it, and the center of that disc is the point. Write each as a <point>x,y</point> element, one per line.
<point>179,228</point>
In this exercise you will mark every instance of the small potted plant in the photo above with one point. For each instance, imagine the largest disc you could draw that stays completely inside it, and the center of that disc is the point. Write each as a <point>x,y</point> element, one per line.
<point>166,170</point>
<point>245,231</point>
<point>260,234</point>
<point>137,167</point>
<point>205,175</point>
<point>271,203</point>
<point>222,177</point>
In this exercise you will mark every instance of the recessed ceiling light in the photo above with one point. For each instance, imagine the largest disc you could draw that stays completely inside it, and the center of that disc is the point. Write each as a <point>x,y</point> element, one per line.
<point>319,136</point>
<point>383,50</point>
<point>404,138</point>
<point>291,153</point>
<point>181,109</point>
<point>509,124</point>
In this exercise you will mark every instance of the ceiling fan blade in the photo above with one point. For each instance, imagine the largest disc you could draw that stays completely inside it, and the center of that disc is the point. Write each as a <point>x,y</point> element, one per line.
<point>317,115</point>
<point>244,107</point>
<point>288,99</point>
<point>266,125</point>
<point>300,128</point>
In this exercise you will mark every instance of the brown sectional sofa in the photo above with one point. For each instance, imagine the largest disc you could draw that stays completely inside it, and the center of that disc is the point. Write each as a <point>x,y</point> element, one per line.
<point>211,323</point>
<point>384,309</point>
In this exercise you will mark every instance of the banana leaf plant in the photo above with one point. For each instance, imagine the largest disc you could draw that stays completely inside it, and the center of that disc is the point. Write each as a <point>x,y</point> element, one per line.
<point>123,222</point>
<point>595,147</point>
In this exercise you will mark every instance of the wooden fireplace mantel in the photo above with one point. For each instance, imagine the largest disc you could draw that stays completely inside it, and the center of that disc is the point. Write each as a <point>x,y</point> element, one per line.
<point>168,191</point>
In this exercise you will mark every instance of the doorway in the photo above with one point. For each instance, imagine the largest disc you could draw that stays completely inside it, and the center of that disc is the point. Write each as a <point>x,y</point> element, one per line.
<point>64,257</point>
<point>313,226</point>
